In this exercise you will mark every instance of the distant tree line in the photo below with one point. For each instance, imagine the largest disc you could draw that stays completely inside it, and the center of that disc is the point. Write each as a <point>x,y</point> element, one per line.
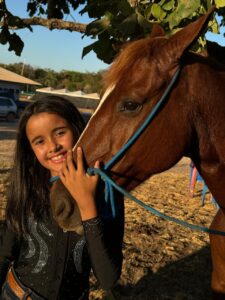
<point>70,80</point>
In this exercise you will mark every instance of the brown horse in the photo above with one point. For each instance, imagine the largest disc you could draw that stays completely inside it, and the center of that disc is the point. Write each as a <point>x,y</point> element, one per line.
<point>191,123</point>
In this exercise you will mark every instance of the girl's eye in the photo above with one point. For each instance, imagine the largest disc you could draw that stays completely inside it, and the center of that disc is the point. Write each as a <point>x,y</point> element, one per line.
<point>61,132</point>
<point>38,142</point>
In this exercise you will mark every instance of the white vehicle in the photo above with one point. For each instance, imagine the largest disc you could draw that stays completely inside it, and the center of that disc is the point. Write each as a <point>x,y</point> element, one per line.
<point>8,109</point>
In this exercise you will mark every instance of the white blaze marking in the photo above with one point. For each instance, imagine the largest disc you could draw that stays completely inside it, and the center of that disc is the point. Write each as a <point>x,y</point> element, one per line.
<point>104,97</point>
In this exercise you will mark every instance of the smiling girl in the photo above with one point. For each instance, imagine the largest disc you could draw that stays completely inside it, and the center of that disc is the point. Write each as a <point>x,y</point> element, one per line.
<point>38,260</point>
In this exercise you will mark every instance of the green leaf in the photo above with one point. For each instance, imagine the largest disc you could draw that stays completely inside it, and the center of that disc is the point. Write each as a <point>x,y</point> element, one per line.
<point>4,35</point>
<point>16,44</point>
<point>128,26</point>
<point>31,8</point>
<point>143,22</point>
<point>148,12</point>
<point>15,21</point>
<point>2,12</point>
<point>169,5</point>
<point>125,8</point>
<point>98,26</point>
<point>41,10</point>
<point>88,49</point>
<point>157,12</point>
<point>185,9</point>
<point>220,3</point>
<point>198,46</point>
<point>97,8</point>
<point>103,50</point>
<point>202,43</point>
<point>213,26</point>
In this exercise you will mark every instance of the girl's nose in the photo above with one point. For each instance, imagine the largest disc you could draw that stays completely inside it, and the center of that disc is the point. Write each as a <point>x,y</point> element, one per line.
<point>54,146</point>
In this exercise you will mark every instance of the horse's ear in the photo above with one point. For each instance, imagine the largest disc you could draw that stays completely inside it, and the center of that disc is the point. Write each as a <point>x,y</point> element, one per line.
<point>157,30</point>
<point>186,37</point>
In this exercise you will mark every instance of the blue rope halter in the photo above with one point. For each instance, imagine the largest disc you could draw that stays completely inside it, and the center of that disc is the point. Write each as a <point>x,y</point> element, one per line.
<point>145,124</point>
<point>110,184</point>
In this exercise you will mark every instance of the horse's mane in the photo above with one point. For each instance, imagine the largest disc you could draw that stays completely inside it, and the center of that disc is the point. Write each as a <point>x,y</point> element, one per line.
<point>216,53</point>
<point>135,52</point>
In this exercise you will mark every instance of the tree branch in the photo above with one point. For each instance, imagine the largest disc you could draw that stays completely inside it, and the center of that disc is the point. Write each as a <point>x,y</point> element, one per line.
<point>52,24</point>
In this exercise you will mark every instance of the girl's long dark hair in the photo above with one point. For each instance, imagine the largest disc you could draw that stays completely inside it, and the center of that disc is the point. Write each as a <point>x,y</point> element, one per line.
<point>28,193</point>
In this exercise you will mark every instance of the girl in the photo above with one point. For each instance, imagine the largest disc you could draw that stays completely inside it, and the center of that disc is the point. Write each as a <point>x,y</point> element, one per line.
<point>38,260</point>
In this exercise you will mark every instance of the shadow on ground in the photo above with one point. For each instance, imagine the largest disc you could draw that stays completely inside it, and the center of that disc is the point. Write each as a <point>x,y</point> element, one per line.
<point>4,171</point>
<point>185,279</point>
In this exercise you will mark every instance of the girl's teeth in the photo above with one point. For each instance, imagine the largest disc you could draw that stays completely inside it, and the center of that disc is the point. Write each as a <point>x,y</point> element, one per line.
<point>57,157</point>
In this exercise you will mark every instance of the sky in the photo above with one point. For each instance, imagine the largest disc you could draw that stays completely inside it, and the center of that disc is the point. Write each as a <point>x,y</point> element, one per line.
<point>59,50</point>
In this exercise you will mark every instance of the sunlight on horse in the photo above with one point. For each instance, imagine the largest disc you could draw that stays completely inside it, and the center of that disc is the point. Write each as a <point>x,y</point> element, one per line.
<point>191,123</point>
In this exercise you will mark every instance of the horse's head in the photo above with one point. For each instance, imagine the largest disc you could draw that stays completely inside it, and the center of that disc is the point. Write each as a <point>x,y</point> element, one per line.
<point>133,85</point>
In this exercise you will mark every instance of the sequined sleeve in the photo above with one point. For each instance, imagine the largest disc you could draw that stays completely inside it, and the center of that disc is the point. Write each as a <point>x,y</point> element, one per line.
<point>104,250</point>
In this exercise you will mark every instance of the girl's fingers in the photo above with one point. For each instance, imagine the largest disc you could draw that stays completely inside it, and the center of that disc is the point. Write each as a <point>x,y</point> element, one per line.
<point>80,162</point>
<point>97,164</point>
<point>65,168</point>
<point>69,160</point>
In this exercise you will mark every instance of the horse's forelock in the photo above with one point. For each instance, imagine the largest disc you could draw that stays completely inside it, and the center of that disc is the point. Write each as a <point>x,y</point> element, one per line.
<point>133,52</point>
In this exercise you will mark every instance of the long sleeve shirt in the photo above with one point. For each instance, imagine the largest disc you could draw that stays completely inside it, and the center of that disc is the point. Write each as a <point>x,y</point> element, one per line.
<point>56,264</point>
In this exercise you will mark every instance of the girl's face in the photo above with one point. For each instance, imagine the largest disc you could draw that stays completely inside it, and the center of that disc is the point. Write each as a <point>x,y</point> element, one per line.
<point>50,137</point>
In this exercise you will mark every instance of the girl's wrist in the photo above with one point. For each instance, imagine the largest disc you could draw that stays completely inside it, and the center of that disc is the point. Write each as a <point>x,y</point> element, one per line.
<point>88,214</point>
<point>89,211</point>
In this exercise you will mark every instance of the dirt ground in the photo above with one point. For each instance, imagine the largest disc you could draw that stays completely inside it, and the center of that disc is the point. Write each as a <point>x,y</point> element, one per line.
<point>162,260</point>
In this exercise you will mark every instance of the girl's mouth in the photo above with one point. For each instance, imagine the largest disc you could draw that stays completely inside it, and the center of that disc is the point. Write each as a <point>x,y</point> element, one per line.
<point>59,158</point>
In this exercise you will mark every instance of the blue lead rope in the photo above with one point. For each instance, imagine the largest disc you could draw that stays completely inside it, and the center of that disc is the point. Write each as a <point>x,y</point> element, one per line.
<point>154,211</point>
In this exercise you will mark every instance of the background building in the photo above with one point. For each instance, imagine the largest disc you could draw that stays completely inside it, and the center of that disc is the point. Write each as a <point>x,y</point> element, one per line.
<point>12,84</point>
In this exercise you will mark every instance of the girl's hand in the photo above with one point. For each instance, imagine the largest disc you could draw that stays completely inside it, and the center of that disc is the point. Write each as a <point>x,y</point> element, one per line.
<point>81,186</point>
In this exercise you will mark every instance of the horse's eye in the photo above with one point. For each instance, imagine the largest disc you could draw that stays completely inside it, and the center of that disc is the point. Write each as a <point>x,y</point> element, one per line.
<point>130,106</point>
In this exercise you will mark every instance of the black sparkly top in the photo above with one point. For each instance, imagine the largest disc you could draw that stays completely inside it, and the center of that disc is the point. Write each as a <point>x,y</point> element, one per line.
<point>56,264</point>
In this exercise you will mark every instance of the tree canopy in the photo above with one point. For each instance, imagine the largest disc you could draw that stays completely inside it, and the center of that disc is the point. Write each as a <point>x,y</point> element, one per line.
<point>113,22</point>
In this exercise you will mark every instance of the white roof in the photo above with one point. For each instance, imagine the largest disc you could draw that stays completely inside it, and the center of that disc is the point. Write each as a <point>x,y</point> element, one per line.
<point>92,96</point>
<point>80,94</point>
<point>77,93</point>
<point>45,89</point>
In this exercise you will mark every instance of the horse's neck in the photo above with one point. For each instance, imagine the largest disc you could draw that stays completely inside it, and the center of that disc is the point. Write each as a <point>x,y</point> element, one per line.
<point>206,90</point>
<point>205,86</point>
